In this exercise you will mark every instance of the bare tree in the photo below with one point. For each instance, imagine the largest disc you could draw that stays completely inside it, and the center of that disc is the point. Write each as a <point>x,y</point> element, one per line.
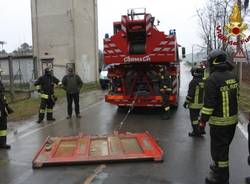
<point>216,12</point>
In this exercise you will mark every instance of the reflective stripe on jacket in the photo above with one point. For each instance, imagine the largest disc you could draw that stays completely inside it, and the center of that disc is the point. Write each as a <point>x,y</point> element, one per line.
<point>221,99</point>
<point>195,93</point>
<point>46,84</point>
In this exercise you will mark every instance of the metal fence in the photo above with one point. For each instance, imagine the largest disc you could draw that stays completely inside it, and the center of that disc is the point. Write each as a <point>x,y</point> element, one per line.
<point>18,73</point>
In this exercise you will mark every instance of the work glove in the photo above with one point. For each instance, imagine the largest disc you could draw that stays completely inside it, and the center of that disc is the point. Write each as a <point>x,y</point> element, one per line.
<point>201,127</point>
<point>185,105</point>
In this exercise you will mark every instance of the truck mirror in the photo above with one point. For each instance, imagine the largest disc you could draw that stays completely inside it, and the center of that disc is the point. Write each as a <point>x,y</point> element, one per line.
<point>183,52</point>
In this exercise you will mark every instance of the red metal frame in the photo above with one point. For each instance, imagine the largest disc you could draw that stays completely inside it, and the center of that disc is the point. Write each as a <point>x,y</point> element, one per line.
<point>145,147</point>
<point>128,95</point>
<point>160,49</point>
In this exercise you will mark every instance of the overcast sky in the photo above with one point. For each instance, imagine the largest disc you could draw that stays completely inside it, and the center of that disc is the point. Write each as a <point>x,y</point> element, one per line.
<point>15,19</point>
<point>15,23</point>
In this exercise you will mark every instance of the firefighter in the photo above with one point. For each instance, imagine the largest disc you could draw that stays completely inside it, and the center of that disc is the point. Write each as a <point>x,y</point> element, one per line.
<point>45,86</point>
<point>4,111</point>
<point>165,90</point>
<point>72,84</point>
<point>248,129</point>
<point>221,109</point>
<point>194,99</point>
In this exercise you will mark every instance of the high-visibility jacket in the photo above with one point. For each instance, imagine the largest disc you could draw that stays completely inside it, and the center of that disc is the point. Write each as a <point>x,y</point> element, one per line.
<point>195,93</point>
<point>221,99</point>
<point>45,85</point>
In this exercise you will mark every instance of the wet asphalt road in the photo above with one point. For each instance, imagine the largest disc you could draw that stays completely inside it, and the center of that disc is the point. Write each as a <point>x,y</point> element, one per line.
<point>186,160</point>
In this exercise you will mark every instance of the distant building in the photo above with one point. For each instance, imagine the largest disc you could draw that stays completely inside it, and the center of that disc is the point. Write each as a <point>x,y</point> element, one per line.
<point>23,68</point>
<point>65,33</point>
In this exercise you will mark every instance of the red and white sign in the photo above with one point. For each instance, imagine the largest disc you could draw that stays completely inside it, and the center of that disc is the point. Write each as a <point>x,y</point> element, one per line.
<point>239,56</point>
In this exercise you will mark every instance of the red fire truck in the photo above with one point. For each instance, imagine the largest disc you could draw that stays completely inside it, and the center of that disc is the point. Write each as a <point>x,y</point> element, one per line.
<point>135,53</point>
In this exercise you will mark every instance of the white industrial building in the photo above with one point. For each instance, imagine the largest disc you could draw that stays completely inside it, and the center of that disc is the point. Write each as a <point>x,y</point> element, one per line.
<point>65,31</point>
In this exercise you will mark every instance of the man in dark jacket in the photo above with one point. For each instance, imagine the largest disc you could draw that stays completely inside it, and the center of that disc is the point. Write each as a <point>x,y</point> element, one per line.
<point>4,111</point>
<point>72,84</point>
<point>221,109</point>
<point>45,86</point>
<point>248,129</point>
<point>194,99</point>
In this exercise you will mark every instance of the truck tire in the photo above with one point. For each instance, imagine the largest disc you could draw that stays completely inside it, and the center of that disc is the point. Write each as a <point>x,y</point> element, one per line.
<point>122,109</point>
<point>175,106</point>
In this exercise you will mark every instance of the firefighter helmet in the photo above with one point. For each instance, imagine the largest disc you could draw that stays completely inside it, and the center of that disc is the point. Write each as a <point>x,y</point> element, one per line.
<point>197,71</point>
<point>216,57</point>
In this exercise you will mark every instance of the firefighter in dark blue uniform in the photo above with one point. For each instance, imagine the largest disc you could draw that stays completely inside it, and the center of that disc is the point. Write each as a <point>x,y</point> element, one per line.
<point>45,86</point>
<point>221,110</point>
<point>165,90</point>
<point>4,111</point>
<point>194,99</point>
<point>248,128</point>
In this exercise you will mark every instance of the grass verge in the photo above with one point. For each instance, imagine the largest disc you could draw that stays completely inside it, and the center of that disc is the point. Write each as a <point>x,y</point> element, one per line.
<point>24,109</point>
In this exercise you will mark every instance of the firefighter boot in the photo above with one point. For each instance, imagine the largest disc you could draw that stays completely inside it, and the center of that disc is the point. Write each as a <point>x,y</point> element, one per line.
<point>214,168</point>
<point>50,116</point>
<point>221,176</point>
<point>195,132</point>
<point>247,180</point>
<point>51,119</point>
<point>3,144</point>
<point>39,121</point>
<point>41,116</point>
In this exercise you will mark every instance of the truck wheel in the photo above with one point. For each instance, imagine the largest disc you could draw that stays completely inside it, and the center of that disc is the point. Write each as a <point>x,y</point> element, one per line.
<point>175,106</point>
<point>122,108</point>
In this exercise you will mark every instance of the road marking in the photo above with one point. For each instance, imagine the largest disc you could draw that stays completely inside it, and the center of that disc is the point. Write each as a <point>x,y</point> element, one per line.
<point>242,129</point>
<point>22,178</point>
<point>91,177</point>
<point>48,125</point>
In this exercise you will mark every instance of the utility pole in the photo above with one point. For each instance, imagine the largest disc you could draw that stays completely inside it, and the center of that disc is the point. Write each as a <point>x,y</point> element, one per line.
<point>2,43</point>
<point>11,75</point>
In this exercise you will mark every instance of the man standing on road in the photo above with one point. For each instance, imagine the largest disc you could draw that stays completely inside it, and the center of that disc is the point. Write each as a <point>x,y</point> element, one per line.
<point>248,129</point>
<point>165,89</point>
<point>4,111</point>
<point>45,86</point>
<point>72,84</point>
<point>194,99</point>
<point>221,109</point>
